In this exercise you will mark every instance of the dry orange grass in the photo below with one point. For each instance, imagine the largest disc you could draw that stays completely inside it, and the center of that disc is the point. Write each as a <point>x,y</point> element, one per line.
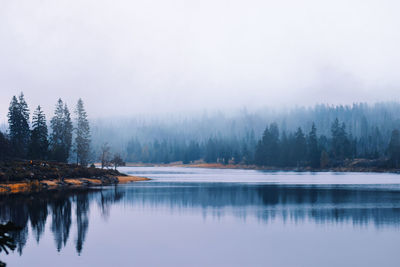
<point>130,179</point>
<point>93,181</point>
<point>50,183</point>
<point>3,190</point>
<point>19,187</point>
<point>36,185</point>
<point>74,181</point>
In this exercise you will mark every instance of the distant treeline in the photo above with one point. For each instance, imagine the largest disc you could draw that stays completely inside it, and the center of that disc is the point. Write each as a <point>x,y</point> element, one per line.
<point>274,149</point>
<point>320,137</point>
<point>30,140</point>
<point>359,131</point>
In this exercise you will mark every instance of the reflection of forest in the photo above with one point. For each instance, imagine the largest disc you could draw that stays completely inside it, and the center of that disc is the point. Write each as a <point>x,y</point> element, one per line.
<point>359,206</point>
<point>21,209</point>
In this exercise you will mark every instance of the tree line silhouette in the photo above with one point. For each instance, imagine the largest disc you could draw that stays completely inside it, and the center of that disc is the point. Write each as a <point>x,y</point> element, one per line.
<point>280,146</point>
<point>31,140</point>
<point>275,149</point>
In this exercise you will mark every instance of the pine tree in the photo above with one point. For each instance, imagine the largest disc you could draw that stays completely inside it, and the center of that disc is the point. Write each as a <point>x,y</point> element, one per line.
<point>39,145</point>
<point>261,154</point>
<point>67,132</point>
<point>56,137</point>
<point>394,149</point>
<point>82,139</point>
<point>300,147</point>
<point>4,147</point>
<point>267,150</point>
<point>211,151</point>
<point>340,146</point>
<point>14,124</point>
<point>313,149</point>
<point>324,161</point>
<point>61,136</point>
<point>18,120</point>
<point>285,155</point>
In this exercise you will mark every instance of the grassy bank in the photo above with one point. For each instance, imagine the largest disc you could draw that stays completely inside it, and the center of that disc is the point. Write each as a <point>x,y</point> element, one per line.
<point>33,176</point>
<point>35,186</point>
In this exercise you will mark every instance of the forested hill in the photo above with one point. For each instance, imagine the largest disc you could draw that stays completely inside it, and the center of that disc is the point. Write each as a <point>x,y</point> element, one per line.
<point>322,136</point>
<point>361,130</point>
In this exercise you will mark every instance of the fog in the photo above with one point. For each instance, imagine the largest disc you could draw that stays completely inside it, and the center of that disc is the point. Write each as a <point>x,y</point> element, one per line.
<point>174,56</point>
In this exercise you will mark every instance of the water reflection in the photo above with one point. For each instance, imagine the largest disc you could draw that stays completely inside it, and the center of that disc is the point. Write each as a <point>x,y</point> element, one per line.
<point>358,205</point>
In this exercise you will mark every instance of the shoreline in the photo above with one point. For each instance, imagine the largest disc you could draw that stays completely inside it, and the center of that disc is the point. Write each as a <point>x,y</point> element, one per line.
<point>67,183</point>
<point>264,168</point>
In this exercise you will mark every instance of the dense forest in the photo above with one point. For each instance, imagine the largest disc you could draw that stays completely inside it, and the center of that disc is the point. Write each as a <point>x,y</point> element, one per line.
<point>318,137</point>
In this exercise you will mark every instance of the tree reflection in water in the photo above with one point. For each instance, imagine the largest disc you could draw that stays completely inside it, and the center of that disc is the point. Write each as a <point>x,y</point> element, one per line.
<point>35,208</point>
<point>321,204</point>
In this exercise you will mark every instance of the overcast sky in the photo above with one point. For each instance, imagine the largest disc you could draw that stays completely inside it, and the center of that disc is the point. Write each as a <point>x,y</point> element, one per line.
<point>125,57</point>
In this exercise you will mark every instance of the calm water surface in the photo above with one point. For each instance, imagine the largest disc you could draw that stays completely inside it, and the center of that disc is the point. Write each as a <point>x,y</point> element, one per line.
<point>211,217</point>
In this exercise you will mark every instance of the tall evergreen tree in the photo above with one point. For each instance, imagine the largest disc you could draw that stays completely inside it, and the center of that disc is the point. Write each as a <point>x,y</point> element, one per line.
<point>39,145</point>
<point>18,120</point>
<point>67,131</point>
<point>82,139</point>
<point>340,146</point>
<point>300,147</point>
<point>4,147</point>
<point>267,150</point>
<point>61,135</point>
<point>285,155</point>
<point>56,137</point>
<point>313,150</point>
<point>211,151</point>
<point>394,148</point>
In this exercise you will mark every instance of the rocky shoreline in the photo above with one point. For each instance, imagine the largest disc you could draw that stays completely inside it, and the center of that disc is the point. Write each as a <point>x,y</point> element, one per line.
<point>356,165</point>
<point>72,183</point>
<point>34,176</point>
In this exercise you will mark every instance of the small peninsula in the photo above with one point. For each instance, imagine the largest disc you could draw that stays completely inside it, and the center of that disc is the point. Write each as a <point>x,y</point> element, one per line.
<point>34,176</point>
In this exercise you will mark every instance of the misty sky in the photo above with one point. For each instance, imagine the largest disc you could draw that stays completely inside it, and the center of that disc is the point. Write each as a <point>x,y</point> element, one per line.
<point>125,57</point>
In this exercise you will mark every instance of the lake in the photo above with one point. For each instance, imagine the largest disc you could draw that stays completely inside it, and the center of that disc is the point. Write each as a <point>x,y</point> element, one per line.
<point>212,217</point>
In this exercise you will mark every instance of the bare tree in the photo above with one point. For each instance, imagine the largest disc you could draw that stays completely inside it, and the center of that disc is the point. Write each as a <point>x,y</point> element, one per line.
<point>105,156</point>
<point>117,161</point>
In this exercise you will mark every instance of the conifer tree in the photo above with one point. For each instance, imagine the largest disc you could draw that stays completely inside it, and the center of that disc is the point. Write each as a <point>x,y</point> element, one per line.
<point>82,139</point>
<point>300,146</point>
<point>324,161</point>
<point>39,145</point>
<point>211,153</point>
<point>61,136</point>
<point>4,147</point>
<point>313,149</point>
<point>340,147</point>
<point>285,155</point>
<point>67,131</point>
<point>56,138</point>
<point>18,120</point>
<point>267,150</point>
<point>394,149</point>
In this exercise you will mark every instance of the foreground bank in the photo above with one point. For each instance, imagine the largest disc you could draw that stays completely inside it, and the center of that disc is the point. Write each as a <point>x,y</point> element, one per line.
<point>33,176</point>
